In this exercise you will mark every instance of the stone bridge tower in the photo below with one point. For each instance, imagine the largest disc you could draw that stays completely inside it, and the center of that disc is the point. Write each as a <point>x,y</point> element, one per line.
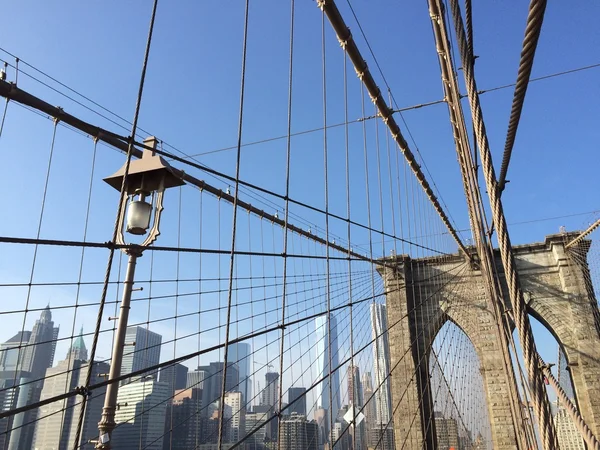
<point>423,294</point>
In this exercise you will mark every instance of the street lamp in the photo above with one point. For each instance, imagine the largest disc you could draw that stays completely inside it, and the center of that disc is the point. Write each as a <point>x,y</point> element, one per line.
<point>145,186</point>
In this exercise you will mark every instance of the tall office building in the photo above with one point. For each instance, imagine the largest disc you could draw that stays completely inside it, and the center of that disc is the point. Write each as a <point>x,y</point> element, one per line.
<point>569,437</point>
<point>297,433</point>
<point>11,356</point>
<point>239,353</point>
<point>297,401</point>
<point>39,353</point>
<point>142,350</point>
<point>446,432</point>
<point>212,382</point>
<point>355,391</point>
<point>10,352</point>
<point>140,417</point>
<point>57,428</point>
<point>235,414</point>
<point>324,339</point>
<point>30,368</point>
<point>270,394</point>
<point>253,424</point>
<point>195,378</point>
<point>370,407</point>
<point>175,376</point>
<point>381,363</point>
<point>183,424</point>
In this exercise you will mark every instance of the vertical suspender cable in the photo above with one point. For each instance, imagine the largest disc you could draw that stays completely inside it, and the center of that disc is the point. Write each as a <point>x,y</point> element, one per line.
<point>286,216</point>
<point>111,252</point>
<point>234,227</point>
<point>327,262</point>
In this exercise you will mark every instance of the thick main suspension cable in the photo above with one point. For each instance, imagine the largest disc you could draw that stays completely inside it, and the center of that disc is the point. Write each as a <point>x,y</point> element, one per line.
<point>473,196</point>
<point>364,74</point>
<point>12,92</point>
<point>531,357</point>
<point>535,19</point>
<point>583,234</point>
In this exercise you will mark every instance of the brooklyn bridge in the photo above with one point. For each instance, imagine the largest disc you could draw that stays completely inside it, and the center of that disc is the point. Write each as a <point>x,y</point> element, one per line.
<point>298,225</point>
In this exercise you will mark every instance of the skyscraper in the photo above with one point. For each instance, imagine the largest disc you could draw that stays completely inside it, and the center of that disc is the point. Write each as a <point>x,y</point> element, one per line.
<point>324,339</point>
<point>234,412</point>
<point>381,363</point>
<point>297,406</point>
<point>569,437</point>
<point>253,422</point>
<point>239,353</point>
<point>10,352</point>
<point>30,368</point>
<point>212,381</point>
<point>297,433</point>
<point>39,353</point>
<point>195,379</point>
<point>142,350</point>
<point>175,376</point>
<point>141,416</point>
<point>270,394</point>
<point>370,408</point>
<point>57,428</point>
<point>355,391</point>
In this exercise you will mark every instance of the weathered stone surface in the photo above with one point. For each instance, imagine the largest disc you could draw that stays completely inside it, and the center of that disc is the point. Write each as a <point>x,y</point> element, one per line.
<point>423,294</point>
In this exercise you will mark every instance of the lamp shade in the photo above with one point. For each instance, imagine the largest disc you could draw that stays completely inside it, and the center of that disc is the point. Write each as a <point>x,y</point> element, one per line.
<point>138,217</point>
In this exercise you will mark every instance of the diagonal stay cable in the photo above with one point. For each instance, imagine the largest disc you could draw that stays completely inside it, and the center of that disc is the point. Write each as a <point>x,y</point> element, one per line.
<point>535,19</point>
<point>345,37</point>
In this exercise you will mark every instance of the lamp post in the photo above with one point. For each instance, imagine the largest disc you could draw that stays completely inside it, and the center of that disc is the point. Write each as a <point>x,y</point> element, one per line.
<point>148,177</point>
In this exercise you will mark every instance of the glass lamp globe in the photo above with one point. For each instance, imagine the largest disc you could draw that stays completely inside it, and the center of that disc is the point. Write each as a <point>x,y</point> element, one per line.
<point>138,217</point>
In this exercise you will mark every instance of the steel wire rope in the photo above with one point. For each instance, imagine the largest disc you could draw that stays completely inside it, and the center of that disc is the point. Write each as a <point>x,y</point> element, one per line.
<point>269,361</point>
<point>424,269</point>
<point>286,216</point>
<point>522,321</point>
<point>204,168</point>
<point>306,337</point>
<point>348,238</point>
<point>535,19</point>
<point>363,72</point>
<point>417,367</point>
<point>135,324</point>
<point>368,204</point>
<point>35,251</point>
<point>3,116</point>
<point>80,274</point>
<point>384,332</point>
<point>363,348</point>
<point>397,107</point>
<point>366,346</point>
<point>119,208</point>
<point>326,194</point>
<point>79,391</point>
<point>139,414</point>
<point>213,172</point>
<point>235,412</point>
<point>468,167</point>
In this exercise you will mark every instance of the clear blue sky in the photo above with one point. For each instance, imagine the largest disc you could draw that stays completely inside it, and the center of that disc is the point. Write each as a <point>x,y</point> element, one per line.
<point>191,101</point>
